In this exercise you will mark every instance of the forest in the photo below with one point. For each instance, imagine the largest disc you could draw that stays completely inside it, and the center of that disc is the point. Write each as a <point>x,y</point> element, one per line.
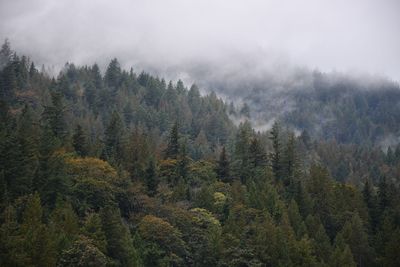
<point>124,168</point>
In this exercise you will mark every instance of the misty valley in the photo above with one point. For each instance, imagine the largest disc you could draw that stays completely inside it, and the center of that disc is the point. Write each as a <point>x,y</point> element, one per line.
<point>121,167</point>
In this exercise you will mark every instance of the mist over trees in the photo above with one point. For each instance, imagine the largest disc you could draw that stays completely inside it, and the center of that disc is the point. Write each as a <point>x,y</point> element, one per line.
<point>124,168</point>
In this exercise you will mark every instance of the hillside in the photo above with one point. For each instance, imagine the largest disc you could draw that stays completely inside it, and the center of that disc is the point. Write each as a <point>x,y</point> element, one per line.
<point>127,169</point>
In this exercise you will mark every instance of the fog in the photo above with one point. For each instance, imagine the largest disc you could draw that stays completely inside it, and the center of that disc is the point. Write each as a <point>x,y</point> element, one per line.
<point>175,36</point>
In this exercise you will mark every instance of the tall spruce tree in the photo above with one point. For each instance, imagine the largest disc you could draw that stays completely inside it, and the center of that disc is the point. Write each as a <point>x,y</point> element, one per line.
<point>172,149</point>
<point>223,166</point>
<point>79,141</point>
<point>275,155</point>
<point>151,179</point>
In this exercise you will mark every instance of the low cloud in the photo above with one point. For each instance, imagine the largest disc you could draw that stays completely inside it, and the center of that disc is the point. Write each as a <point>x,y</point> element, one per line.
<point>173,36</point>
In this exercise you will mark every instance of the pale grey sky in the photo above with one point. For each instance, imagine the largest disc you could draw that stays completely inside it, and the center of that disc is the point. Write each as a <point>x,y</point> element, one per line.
<point>339,35</point>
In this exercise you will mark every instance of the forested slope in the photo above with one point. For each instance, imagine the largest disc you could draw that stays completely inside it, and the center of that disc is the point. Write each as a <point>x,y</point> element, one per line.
<point>126,169</point>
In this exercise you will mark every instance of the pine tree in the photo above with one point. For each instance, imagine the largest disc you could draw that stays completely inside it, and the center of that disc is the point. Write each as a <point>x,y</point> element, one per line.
<point>355,236</point>
<point>96,77</point>
<point>383,194</point>
<point>112,76</point>
<point>172,149</point>
<point>64,223</point>
<point>93,229</point>
<point>391,258</point>
<point>245,111</point>
<point>113,147</point>
<point>194,99</point>
<point>50,179</point>
<point>257,154</point>
<point>79,141</point>
<point>371,203</point>
<point>119,241</point>
<point>183,162</point>
<point>223,167</point>
<point>290,160</point>
<point>242,165</point>
<point>295,218</point>
<point>275,156</point>
<point>5,54</point>
<point>54,116</point>
<point>37,240</point>
<point>323,247</point>
<point>8,83</point>
<point>32,71</point>
<point>27,132</point>
<point>151,178</point>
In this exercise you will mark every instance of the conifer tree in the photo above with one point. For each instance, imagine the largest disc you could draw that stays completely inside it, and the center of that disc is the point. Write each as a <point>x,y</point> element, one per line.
<point>172,149</point>
<point>37,243</point>
<point>93,229</point>
<point>5,54</point>
<point>290,162</point>
<point>27,132</point>
<point>257,154</point>
<point>119,241</point>
<point>371,203</point>
<point>79,141</point>
<point>54,116</point>
<point>275,155</point>
<point>151,180</point>
<point>223,167</point>
<point>114,132</point>
<point>112,76</point>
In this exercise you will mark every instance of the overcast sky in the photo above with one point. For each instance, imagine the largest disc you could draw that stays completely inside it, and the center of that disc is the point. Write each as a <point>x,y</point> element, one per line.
<point>339,35</point>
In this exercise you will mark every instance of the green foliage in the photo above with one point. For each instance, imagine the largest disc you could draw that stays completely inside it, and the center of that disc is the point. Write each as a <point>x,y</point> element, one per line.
<point>83,254</point>
<point>165,244</point>
<point>79,141</point>
<point>206,193</point>
<point>119,242</point>
<point>172,149</point>
<point>223,169</point>
<point>275,155</point>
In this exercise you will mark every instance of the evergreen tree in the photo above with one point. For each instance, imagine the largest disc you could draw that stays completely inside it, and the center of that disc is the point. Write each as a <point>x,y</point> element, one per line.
<point>119,242</point>
<point>113,147</point>
<point>79,141</point>
<point>371,203</point>
<point>112,76</point>
<point>194,99</point>
<point>356,237</point>
<point>183,162</point>
<point>242,165</point>
<point>275,155</point>
<point>290,160</point>
<point>93,229</point>
<point>223,167</point>
<point>151,180</point>
<point>64,223</point>
<point>383,194</point>
<point>172,149</point>
<point>257,154</point>
<point>8,83</point>
<point>5,54</point>
<point>245,111</point>
<point>27,132</point>
<point>54,116</point>
<point>37,243</point>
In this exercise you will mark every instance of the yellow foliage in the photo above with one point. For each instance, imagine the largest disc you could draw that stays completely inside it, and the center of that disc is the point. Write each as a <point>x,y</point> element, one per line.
<point>204,217</point>
<point>219,199</point>
<point>83,168</point>
<point>156,229</point>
